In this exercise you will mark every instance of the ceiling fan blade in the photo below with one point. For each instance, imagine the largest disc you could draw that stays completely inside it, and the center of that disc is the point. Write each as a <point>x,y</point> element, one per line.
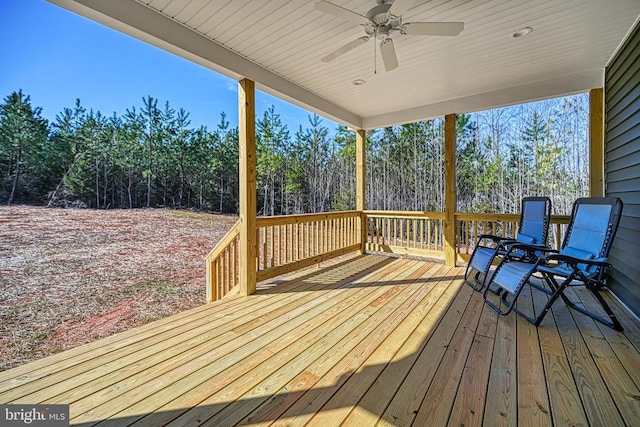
<point>432,28</point>
<point>341,12</point>
<point>400,7</point>
<point>344,49</point>
<point>388,55</point>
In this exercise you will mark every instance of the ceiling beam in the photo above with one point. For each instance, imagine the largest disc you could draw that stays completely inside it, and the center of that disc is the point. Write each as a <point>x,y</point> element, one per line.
<point>565,85</point>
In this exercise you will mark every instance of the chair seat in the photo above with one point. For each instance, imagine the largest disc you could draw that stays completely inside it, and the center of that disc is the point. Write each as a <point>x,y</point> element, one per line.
<point>482,258</point>
<point>510,275</point>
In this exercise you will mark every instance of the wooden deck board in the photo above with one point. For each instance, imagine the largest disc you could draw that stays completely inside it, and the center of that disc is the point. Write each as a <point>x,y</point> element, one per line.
<point>533,404</point>
<point>619,380</point>
<point>596,399</point>
<point>437,403</point>
<point>369,340</point>
<point>501,399</point>
<point>566,407</point>
<point>406,402</point>
<point>375,401</point>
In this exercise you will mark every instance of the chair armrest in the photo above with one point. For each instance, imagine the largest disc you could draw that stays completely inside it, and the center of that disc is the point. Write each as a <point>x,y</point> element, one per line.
<point>494,238</point>
<point>532,251</point>
<point>530,248</point>
<point>567,259</point>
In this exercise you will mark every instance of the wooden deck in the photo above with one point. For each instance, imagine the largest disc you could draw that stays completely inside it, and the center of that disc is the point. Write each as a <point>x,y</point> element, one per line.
<point>369,340</point>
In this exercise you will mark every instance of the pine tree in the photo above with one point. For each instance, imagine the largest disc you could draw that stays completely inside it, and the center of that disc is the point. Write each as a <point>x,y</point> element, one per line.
<point>23,133</point>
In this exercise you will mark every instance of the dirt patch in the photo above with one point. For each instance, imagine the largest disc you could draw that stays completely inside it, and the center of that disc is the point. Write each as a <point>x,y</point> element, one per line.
<point>70,276</point>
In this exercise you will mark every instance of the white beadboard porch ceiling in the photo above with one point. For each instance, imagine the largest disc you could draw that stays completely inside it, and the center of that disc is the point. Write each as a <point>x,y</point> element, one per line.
<point>279,43</point>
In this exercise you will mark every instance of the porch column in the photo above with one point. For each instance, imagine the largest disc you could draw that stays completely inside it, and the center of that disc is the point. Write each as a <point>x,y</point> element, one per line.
<point>596,142</point>
<point>450,190</point>
<point>247,153</point>
<point>361,137</point>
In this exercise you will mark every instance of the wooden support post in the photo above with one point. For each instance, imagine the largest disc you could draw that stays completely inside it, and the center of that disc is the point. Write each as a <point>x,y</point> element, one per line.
<point>361,137</point>
<point>450,190</point>
<point>212,283</point>
<point>596,142</point>
<point>247,152</point>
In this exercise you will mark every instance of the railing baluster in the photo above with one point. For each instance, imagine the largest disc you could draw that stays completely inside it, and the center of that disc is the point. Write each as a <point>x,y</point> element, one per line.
<point>375,236</point>
<point>271,245</point>
<point>264,248</point>
<point>343,233</point>
<point>332,234</point>
<point>298,240</point>
<point>286,244</point>
<point>414,232</point>
<point>385,231</point>
<point>344,227</point>
<point>305,235</point>
<point>234,261</point>
<point>349,229</point>
<point>395,231</point>
<point>303,240</point>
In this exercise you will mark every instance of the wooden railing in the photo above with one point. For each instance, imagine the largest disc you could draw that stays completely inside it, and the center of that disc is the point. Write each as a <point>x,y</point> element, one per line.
<point>422,233</point>
<point>285,243</point>
<point>222,265</point>
<point>409,233</point>
<point>290,242</point>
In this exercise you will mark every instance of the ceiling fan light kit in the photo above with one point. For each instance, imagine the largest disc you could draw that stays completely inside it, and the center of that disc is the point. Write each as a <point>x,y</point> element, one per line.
<point>380,23</point>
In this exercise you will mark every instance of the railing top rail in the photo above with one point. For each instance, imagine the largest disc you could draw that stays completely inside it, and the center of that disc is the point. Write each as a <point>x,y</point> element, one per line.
<point>476,216</point>
<point>224,242</point>
<point>264,221</point>
<point>405,214</point>
<point>560,219</point>
<point>555,219</point>
<point>465,216</point>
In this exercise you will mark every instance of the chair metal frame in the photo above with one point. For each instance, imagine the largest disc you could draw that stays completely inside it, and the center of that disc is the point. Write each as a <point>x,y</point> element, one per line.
<point>560,271</point>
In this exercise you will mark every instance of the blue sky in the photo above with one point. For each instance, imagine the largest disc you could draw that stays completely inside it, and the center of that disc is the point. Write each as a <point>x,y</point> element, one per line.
<point>56,56</point>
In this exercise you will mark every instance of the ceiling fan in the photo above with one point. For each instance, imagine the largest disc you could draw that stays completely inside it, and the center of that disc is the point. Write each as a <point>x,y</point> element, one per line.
<point>380,22</point>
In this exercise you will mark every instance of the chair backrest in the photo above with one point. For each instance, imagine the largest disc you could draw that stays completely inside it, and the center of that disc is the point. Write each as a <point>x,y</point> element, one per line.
<point>592,227</point>
<point>535,216</point>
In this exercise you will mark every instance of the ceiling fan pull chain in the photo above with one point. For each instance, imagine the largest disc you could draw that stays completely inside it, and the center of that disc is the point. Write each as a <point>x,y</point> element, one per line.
<point>375,55</point>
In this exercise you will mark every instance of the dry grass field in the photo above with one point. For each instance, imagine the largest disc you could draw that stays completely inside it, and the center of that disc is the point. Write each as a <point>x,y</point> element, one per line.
<point>71,276</point>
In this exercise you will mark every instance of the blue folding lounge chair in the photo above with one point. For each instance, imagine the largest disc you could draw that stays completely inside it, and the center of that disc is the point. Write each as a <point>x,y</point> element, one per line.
<point>582,261</point>
<point>535,215</point>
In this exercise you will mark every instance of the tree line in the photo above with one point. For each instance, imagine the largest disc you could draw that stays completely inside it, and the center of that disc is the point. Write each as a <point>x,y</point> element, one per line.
<point>151,156</point>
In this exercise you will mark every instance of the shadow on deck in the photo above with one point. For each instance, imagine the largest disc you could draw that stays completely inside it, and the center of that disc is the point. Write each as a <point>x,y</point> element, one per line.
<point>368,340</point>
